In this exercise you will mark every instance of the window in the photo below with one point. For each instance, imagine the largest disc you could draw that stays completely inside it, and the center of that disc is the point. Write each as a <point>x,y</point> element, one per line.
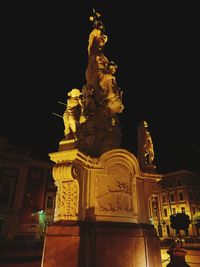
<point>163,199</point>
<point>174,210</point>
<point>50,180</point>
<point>165,212</point>
<point>183,209</point>
<point>8,181</point>
<point>36,178</point>
<point>191,196</point>
<point>181,196</point>
<point>155,211</point>
<point>5,193</point>
<point>164,185</point>
<point>179,182</point>
<point>172,197</point>
<point>10,172</point>
<point>193,210</point>
<point>1,226</point>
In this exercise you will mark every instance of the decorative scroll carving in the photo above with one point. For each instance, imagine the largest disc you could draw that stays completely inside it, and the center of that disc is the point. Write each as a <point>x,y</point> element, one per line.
<point>67,192</point>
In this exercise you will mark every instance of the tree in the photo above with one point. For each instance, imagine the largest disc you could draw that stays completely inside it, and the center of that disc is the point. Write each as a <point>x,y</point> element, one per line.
<point>180,221</point>
<point>196,218</point>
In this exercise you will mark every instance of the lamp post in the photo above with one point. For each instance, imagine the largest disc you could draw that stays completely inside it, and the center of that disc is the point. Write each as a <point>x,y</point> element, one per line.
<point>156,210</point>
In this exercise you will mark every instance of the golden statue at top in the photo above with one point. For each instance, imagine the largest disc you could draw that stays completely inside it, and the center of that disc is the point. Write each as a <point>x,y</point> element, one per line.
<point>100,71</point>
<point>90,118</point>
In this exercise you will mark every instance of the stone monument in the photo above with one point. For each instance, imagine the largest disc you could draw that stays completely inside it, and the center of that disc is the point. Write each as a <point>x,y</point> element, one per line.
<point>101,215</point>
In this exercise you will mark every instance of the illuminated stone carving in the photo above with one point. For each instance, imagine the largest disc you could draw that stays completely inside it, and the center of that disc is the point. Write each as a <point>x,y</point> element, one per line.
<point>67,193</point>
<point>114,192</point>
<point>115,188</point>
<point>98,189</point>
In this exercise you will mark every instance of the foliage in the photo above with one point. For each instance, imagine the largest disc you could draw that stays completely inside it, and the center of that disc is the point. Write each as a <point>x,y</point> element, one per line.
<point>180,221</point>
<point>196,219</point>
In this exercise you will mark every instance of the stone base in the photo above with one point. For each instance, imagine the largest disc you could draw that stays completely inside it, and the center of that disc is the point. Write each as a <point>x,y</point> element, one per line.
<point>101,244</point>
<point>149,168</point>
<point>67,144</point>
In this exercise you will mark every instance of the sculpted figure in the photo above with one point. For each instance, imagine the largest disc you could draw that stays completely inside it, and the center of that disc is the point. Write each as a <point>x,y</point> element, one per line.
<point>111,95</point>
<point>98,102</point>
<point>97,62</point>
<point>97,41</point>
<point>148,145</point>
<point>97,38</point>
<point>113,105</point>
<point>108,82</point>
<point>100,71</point>
<point>73,113</point>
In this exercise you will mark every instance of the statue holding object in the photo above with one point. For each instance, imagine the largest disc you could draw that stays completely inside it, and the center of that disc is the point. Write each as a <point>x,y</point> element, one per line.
<point>73,113</point>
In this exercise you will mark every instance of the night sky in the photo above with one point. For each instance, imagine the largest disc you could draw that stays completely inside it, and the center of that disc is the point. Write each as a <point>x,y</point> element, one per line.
<point>156,48</point>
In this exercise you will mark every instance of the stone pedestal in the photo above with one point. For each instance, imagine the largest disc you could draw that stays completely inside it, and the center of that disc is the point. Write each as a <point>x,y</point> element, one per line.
<point>101,244</point>
<point>102,212</point>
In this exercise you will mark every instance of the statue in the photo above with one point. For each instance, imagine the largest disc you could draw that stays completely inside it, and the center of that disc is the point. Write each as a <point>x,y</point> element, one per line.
<point>145,145</point>
<point>97,38</point>
<point>148,145</point>
<point>90,117</point>
<point>73,113</point>
<point>100,71</point>
<point>111,95</point>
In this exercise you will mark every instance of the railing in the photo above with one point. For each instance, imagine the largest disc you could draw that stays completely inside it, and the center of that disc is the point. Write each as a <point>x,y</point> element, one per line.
<point>187,242</point>
<point>193,243</point>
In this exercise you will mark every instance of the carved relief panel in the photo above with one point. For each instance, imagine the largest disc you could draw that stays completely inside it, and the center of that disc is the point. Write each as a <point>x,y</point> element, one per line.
<point>115,192</point>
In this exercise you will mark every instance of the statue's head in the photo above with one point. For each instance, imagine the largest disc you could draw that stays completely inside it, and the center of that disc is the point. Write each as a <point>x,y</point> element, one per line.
<point>114,105</point>
<point>74,93</point>
<point>145,124</point>
<point>112,67</point>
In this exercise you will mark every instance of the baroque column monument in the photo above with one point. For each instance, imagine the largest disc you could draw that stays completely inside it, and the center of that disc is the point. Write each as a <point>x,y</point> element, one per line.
<point>102,202</point>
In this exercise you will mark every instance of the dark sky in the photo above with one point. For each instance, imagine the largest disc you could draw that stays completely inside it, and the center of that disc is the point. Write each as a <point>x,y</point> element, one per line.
<point>156,48</point>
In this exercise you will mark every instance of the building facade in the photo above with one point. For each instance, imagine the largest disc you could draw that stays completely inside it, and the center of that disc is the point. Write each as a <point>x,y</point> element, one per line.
<point>27,193</point>
<point>179,192</point>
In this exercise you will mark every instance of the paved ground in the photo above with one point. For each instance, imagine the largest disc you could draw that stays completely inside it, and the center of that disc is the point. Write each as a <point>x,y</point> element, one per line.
<point>21,254</point>
<point>192,257</point>
<point>25,255</point>
<point>24,264</point>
